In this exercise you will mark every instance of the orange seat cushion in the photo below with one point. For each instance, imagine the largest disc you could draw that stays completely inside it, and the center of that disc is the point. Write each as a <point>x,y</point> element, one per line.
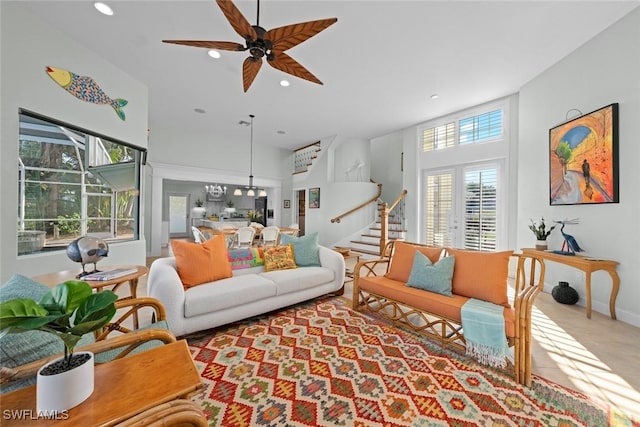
<point>199,263</point>
<point>481,275</point>
<point>402,259</point>
<point>441,305</point>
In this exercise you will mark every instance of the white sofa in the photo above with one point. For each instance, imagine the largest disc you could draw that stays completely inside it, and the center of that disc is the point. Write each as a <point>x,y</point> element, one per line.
<point>249,292</point>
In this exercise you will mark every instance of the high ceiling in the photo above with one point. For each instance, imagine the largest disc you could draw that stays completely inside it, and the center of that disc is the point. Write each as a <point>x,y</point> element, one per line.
<point>380,63</point>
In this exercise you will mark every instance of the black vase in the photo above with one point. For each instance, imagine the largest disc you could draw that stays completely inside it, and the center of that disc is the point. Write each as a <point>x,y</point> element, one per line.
<point>565,294</point>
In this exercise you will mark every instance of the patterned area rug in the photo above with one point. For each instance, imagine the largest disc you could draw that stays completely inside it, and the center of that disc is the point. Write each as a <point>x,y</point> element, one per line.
<point>322,364</point>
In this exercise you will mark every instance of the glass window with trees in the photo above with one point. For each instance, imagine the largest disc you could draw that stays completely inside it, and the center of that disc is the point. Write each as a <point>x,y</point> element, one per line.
<point>73,182</point>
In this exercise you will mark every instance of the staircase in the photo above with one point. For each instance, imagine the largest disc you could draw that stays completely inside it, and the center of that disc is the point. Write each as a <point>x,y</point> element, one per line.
<point>303,157</point>
<point>369,243</point>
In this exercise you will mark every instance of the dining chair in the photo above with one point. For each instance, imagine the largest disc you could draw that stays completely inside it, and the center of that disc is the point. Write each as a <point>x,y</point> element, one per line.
<point>198,235</point>
<point>269,236</point>
<point>244,237</point>
<point>295,226</point>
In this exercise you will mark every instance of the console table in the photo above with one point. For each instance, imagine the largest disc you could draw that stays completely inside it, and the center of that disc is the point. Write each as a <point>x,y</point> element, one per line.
<point>586,264</point>
<point>123,388</point>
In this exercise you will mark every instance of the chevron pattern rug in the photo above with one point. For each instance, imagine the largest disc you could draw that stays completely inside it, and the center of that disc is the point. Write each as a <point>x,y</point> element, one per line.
<point>322,364</point>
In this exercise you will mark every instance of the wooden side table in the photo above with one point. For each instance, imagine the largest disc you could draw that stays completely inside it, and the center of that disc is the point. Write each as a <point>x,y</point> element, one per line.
<point>123,388</point>
<point>52,279</point>
<point>586,264</point>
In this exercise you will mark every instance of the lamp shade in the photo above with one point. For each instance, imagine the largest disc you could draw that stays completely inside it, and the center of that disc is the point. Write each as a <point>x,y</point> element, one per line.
<point>262,193</point>
<point>250,192</point>
<point>237,192</point>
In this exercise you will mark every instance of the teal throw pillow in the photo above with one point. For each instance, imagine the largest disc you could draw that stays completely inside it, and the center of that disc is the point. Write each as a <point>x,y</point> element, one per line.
<point>305,249</point>
<point>432,277</point>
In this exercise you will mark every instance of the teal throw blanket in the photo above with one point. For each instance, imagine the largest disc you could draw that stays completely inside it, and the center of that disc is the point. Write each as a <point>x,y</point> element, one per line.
<point>483,328</point>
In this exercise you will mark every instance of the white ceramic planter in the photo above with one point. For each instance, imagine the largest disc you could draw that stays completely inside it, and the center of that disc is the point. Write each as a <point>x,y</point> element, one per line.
<point>66,390</point>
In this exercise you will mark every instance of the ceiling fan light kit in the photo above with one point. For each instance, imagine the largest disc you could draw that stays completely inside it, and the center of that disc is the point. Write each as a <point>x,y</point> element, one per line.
<point>262,43</point>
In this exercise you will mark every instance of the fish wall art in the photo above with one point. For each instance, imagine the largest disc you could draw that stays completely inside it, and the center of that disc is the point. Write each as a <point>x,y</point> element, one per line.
<point>85,89</point>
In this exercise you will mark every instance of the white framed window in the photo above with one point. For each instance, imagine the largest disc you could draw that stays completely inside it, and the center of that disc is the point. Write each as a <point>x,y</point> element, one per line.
<point>464,159</point>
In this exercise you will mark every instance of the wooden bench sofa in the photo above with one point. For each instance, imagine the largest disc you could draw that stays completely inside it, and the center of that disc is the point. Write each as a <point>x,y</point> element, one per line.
<point>380,288</point>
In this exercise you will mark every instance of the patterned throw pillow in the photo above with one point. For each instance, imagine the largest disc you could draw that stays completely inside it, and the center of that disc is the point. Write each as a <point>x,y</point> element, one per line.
<point>305,249</point>
<point>432,277</point>
<point>201,263</point>
<point>245,258</point>
<point>279,258</point>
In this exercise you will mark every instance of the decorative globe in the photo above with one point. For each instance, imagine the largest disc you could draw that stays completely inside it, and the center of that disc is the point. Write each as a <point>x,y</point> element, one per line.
<point>87,250</point>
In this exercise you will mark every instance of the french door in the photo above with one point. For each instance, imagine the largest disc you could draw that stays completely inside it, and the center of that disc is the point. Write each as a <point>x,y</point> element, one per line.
<point>463,207</point>
<point>178,209</point>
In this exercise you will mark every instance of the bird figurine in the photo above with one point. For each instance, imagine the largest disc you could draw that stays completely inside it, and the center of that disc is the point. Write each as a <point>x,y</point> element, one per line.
<point>570,245</point>
<point>87,250</point>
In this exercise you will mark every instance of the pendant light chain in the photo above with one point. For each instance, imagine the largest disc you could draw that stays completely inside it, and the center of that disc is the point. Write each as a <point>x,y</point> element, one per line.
<point>251,155</point>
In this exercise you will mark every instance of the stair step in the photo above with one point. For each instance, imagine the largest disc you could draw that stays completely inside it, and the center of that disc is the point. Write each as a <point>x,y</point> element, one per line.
<point>391,230</point>
<point>300,171</point>
<point>377,236</point>
<point>363,242</point>
<point>364,251</point>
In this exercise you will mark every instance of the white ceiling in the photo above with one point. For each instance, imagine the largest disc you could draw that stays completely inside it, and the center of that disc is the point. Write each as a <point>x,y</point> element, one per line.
<point>380,63</point>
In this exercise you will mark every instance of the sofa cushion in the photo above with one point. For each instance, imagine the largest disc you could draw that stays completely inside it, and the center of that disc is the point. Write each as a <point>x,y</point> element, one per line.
<point>402,259</point>
<point>199,263</point>
<point>448,307</point>
<point>227,293</point>
<point>279,258</point>
<point>245,258</point>
<point>302,278</point>
<point>305,249</point>
<point>432,277</point>
<point>481,275</point>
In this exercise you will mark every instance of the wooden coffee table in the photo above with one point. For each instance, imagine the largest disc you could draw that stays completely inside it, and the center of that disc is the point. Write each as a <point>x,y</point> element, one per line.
<point>123,388</point>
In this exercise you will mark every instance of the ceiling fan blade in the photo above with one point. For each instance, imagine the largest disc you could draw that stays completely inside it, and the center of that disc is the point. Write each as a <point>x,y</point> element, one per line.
<point>209,44</point>
<point>237,20</point>
<point>283,38</point>
<point>284,62</point>
<point>250,68</point>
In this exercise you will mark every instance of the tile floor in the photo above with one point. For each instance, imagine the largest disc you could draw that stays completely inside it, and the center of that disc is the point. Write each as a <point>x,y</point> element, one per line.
<point>599,356</point>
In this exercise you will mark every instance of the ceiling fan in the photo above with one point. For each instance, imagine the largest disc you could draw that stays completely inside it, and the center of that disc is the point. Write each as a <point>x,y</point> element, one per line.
<point>262,43</point>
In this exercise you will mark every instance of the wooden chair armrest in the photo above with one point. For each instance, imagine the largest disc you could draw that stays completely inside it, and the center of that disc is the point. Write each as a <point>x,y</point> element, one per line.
<point>367,268</point>
<point>133,308</point>
<point>127,342</point>
<point>181,412</point>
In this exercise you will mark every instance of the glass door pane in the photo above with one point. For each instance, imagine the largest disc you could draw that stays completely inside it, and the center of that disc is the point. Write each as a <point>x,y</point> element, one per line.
<point>178,215</point>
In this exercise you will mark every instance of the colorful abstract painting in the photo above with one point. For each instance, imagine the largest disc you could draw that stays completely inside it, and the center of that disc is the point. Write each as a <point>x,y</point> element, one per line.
<point>583,159</point>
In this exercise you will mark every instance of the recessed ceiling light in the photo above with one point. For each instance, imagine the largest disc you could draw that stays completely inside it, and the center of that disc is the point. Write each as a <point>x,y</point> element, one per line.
<point>281,132</point>
<point>284,83</point>
<point>214,53</point>
<point>434,96</point>
<point>199,110</point>
<point>103,8</point>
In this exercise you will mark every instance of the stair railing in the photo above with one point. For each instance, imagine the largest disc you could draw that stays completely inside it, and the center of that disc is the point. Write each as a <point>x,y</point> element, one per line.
<point>385,211</point>
<point>374,199</point>
<point>303,157</point>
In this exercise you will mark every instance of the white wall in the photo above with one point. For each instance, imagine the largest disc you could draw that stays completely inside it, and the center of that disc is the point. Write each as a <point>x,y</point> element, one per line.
<point>386,160</point>
<point>603,71</point>
<point>28,46</point>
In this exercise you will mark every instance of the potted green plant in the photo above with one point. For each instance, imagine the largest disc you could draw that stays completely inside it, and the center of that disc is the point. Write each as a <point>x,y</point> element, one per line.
<point>541,232</point>
<point>68,311</point>
<point>199,211</point>
<point>253,215</point>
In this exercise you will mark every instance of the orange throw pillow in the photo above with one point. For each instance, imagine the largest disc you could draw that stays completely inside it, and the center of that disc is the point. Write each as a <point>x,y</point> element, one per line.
<point>402,259</point>
<point>481,275</point>
<point>279,258</point>
<point>199,263</point>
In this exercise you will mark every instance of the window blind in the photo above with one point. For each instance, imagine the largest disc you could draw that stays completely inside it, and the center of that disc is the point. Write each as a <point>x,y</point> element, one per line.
<point>480,218</point>
<point>482,127</point>
<point>439,202</point>
<point>439,137</point>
